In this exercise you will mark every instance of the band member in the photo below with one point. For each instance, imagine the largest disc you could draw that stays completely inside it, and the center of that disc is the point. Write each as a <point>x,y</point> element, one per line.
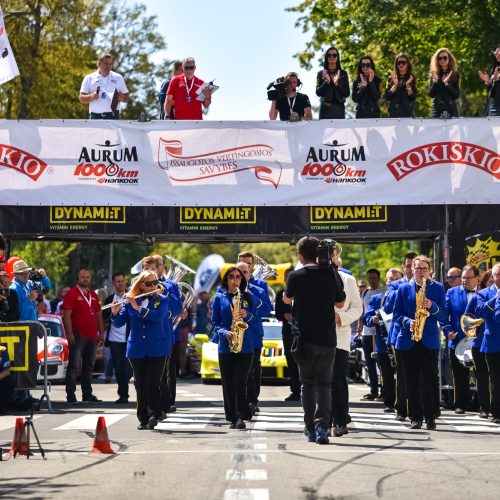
<point>420,304</point>
<point>344,316</point>
<point>229,307</point>
<point>256,329</point>
<point>456,301</point>
<point>314,292</point>
<point>478,355</point>
<point>488,308</point>
<point>401,404</point>
<point>148,344</point>
<point>384,355</point>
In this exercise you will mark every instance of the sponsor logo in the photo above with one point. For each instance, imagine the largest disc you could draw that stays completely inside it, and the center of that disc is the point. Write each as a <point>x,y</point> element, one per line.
<point>88,215</point>
<point>218,215</point>
<point>329,164</point>
<point>103,164</point>
<point>203,168</point>
<point>363,213</point>
<point>22,161</point>
<point>461,153</point>
<point>16,339</point>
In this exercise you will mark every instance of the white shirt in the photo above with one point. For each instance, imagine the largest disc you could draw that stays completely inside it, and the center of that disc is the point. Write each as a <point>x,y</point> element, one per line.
<point>107,85</point>
<point>352,310</point>
<point>370,330</point>
<point>117,334</point>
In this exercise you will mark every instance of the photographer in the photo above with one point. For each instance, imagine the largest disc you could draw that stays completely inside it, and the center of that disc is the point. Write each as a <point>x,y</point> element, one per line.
<point>314,291</point>
<point>9,302</point>
<point>291,105</point>
<point>27,283</point>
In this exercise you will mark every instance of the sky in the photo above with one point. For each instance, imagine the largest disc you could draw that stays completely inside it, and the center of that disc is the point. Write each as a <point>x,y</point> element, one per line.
<point>243,45</point>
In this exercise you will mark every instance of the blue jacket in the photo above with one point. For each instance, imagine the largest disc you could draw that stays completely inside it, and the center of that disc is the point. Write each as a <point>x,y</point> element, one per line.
<point>471,309</point>
<point>373,306</point>
<point>171,291</point>
<point>148,337</point>
<point>456,302</point>
<point>389,303</point>
<point>27,307</point>
<point>488,307</point>
<point>222,317</point>
<point>262,310</point>
<point>404,313</point>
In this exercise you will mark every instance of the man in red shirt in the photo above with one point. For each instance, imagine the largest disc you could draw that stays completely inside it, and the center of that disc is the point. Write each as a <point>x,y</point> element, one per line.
<point>84,330</point>
<point>181,94</point>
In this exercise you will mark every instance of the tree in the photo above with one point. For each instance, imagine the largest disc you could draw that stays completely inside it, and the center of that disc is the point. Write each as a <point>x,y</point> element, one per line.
<point>383,28</point>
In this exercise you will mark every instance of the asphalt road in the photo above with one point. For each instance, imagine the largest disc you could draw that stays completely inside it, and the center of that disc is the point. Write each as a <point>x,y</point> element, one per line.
<point>194,454</point>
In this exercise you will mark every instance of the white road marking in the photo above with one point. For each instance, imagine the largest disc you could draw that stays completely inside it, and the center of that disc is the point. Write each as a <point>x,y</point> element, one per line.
<point>9,421</point>
<point>249,457</point>
<point>89,422</point>
<point>246,475</point>
<point>186,422</point>
<point>247,494</point>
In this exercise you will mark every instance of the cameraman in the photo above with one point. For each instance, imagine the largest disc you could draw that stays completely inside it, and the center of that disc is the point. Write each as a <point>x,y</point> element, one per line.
<point>9,303</point>
<point>293,106</point>
<point>27,284</point>
<point>314,291</point>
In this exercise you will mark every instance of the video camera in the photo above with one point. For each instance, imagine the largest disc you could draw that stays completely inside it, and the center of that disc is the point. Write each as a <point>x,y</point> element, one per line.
<point>280,86</point>
<point>325,251</point>
<point>36,277</point>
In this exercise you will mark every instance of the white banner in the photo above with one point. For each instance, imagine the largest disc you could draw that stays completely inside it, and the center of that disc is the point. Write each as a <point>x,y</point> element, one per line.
<point>8,65</point>
<point>341,162</point>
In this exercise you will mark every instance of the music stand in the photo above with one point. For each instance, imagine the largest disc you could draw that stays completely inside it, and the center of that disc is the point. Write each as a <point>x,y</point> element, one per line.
<point>28,426</point>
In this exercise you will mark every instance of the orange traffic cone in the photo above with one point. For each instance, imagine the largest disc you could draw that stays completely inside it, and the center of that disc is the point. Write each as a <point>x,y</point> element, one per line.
<point>101,440</point>
<point>20,445</point>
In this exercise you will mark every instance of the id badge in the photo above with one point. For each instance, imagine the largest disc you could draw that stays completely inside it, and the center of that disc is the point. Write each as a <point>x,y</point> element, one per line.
<point>103,95</point>
<point>188,98</point>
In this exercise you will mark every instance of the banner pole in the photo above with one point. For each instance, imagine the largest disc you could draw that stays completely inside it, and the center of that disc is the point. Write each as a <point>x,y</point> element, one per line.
<point>45,394</point>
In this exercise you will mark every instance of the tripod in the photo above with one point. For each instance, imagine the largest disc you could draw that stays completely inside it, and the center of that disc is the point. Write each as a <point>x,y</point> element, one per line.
<point>28,426</point>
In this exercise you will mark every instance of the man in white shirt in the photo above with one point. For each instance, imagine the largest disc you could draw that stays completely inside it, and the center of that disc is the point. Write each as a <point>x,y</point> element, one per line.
<point>103,90</point>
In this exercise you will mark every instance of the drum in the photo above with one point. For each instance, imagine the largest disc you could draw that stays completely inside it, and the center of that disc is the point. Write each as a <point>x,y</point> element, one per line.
<point>463,352</point>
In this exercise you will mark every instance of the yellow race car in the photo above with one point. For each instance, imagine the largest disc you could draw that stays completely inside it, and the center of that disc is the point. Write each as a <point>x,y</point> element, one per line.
<point>272,356</point>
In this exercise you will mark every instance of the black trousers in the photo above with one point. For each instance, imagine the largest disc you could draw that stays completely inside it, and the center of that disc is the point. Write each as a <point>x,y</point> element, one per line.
<point>421,371</point>
<point>165,398</point>
<point>461,386</point>
<point>388,381</point>
<point>147,380</point>
<point>123,371</point>
<point>234,371</point>
<point>253,382</point>
<point>482,379</point>
<point>493,360</point>
<point>173,370</point>
<point>401,404</point>
<point>340,389</point>
<point>293,369</point>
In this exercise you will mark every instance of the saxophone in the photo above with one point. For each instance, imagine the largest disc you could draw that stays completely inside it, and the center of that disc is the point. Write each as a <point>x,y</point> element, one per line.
<point>238,326</point>
<point>421,314</point>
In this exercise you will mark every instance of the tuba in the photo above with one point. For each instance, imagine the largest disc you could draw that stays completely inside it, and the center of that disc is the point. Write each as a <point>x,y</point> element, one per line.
<point>238,326</point>
<point>421,314</point>
<point>469,324</point>
<point>263,271</point>
<point>176,271</point>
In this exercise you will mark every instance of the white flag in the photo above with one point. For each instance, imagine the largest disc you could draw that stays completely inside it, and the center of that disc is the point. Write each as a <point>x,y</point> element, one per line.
<point>8,65</point>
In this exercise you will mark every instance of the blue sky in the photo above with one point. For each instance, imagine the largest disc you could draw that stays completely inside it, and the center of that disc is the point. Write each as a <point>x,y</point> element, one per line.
<point>243,45</point>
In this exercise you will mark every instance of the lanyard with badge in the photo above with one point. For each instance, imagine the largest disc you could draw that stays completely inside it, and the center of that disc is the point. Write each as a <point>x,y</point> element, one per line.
<point>188,89</point>
<point>294,116</point>
<point>87,300</point>
<point>102,89</point>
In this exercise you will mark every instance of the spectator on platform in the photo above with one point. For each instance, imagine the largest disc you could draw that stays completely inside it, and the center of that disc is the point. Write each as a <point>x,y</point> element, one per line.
<point>445,84</point>
<point>492,82</point>
<point>162,94</point>
<point>366,89</point>
<point>401,89</point>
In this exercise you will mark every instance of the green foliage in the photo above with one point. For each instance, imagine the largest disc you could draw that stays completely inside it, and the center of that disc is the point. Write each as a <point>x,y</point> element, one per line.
<point>382,28</point>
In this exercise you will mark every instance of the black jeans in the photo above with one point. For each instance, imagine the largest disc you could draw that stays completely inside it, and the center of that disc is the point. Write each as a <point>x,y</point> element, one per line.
<point>493,360</point>
<point>84,349</point>
<point>253,383</point>
<point>105,116</point>
<point>147,378</point>
<point>421,370</point>
<point>401,404</point>
<point>461,386</point>
<point>173,370</point>
<point>165,391</point>
<point>123,371</point>
<point>234,370</point>
<point>388,381</point>
<point>371,363</point>
<point>340,389</point>
<point>316,373</point>
<point>482,379</point>
<point>293,369</point>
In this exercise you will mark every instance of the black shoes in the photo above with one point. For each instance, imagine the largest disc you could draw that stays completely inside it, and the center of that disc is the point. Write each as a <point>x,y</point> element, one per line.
<point>172,409</point>
<point>71,400</point>
<point>484,414</point>
<point>240,424</point>
<point>416,424</point>
<point>431,424</point>
<point>311,436</point>
<point>388,409</point>
<point>121,401</point>
<point>91,399</point>
<point>152,423</point>
<point>400,418</point>
<point>340,431</point>
<point>293,397</point>
<point>142,427</point>
<point>321,435</point>
<point>161,417</point>
<point>253,408</point>
<point>496,421</point>
<point>369,397</point>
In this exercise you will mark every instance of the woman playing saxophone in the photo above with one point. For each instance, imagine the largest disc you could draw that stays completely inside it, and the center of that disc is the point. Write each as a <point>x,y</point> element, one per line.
<point>232,308</point>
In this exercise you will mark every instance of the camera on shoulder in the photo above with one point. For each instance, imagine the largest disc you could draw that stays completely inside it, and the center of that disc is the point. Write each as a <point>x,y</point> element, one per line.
<point>325,251</point>
<point>279,86</point>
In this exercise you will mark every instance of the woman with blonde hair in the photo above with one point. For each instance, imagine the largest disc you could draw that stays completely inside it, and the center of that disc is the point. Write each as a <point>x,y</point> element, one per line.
<point>445,84</point>
<point>148,344</point>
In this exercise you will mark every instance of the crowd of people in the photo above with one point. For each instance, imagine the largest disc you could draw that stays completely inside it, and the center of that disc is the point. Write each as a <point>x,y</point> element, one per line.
<point>184,96</point>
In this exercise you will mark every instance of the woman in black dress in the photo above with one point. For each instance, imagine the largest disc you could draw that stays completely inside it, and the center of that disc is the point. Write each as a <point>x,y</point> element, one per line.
<point>332,86</point>
<point>366,90</point>
<point>493,85</point>
<point>401,88</point>
<point>445,84</point>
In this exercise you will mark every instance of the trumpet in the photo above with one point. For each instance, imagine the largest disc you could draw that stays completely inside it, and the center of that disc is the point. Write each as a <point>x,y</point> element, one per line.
<point>159,289</point>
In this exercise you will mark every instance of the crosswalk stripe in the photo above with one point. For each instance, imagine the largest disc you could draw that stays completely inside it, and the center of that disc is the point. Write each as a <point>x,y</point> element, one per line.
<point>187,422</point>
<point>9,421</point>
<point>89,422</point>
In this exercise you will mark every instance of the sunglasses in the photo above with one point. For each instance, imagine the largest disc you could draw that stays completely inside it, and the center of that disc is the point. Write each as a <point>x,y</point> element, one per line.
<point>234,276</point>
<point>366,65</point>
<point>151,283</point>
<point>401,63</point>
<point>442,58</point>
<point>189,68</point>
<point>332,56</point>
